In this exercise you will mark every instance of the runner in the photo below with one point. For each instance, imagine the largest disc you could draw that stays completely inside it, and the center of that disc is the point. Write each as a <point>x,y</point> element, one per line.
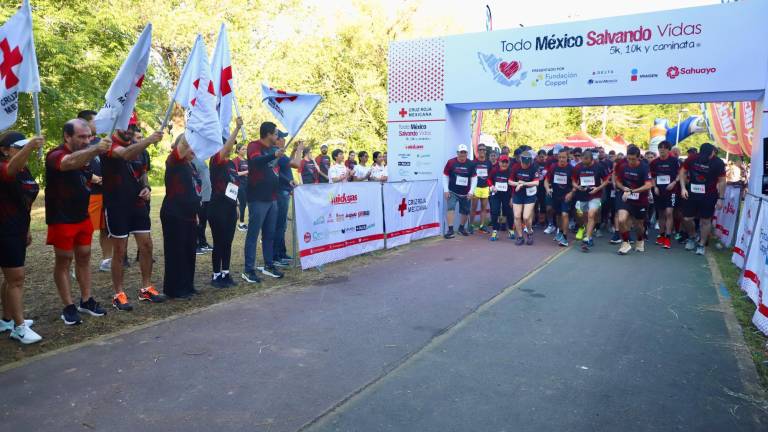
<point>560,190</point>
<point>665,170</point>
<point>551,215</point>
<point>633,181</point>
<point>66,212</point>
<point>482,168</point>
<point>18,190</point>
<point>589,180</point>
<point>459,183</point>
<point>702,184</point>
<point>540,210</point>
<point>498,182</point>
<point>127,212</point>
<point>525,180</point>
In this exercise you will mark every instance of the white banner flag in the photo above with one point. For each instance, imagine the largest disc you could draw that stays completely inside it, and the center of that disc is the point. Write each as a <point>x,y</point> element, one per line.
<point>337,221</point>
<point>18,64</point>
<point>410,211</point>
<point>724,220</point>
<point>122,94</point>
<point>747,223</point>
<point>290,109</point>
<point>221,74</point>
<point>196,94</point>
<point>755,279</point>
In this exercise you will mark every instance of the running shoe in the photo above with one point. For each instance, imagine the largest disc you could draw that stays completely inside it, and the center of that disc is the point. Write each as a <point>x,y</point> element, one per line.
<point>483,229</point>
<point>227,281</point>
<point>70,315</point>
<point>206,247</point>
<point>690,245</point>
<point>250,277</point>
<point>625,248</point>
<point>511,234</point>
<point>286,258</point>
<point>660,240</point>
<point>280,263</point>
<point>463,231</point>
<point>10,325</point>
<point>667,243</point>
<point>616,239</point>
<point>678,236</point>
<point>216,281</point>
<point>563,242</point>
<point>91,307</point>
<point>120,302</point>
<point>471,229</point>
<point>580,233</point>
<point>25,335</point>
<point>559,237</point>
<point>549,229</point>
<point>699,250</point>
<point>449,234</point>
<point>520,241</point>
<point>598,233</point>
<point>640,246</point>
<point>242,227</point>
<point>151,295</point>
<point>529,239</point>
<point>106,265</point>
<point>494,235</point>
<point>272,271</point>
<point>199,251</point>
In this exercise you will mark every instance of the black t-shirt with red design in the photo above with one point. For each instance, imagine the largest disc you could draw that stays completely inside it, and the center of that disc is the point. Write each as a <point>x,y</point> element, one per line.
<point>483,169</point>
<point>242,166</point>
<point>499,178</point>
<point>121,179</point>
<point>323,163</point>
<point>703,176</point>
<point>263,172</point>
<point>459,175</point>
<point>560,179</point>
<point>17,193</point>
<point>589,177</point>
<point>66,192</point>
<point>308,172</point>
<point>223,172</point>
<point>520,174</point>
<point>634,177</point>
<point>665,172</point>
<point>183,188</point>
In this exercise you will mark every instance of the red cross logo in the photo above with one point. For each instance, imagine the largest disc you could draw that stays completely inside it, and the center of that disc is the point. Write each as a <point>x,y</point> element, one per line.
<point>140,82</point>
<point>402,208</point>
<point>281,99</point>
<point>197,84</point>
<point>11,58</point>
<point>226,75</point>
<point>403,112</point>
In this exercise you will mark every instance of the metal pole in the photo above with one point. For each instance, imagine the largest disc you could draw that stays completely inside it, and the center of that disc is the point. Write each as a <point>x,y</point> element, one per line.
<point>38,127</point>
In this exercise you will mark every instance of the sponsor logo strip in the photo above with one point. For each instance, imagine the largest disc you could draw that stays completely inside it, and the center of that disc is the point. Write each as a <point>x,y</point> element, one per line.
<point>340,245</point>
<point>413,230</point>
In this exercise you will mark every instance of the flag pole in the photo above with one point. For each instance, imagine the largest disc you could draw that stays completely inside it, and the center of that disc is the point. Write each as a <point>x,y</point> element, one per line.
<point>237,111</point>
<point>38,127</point>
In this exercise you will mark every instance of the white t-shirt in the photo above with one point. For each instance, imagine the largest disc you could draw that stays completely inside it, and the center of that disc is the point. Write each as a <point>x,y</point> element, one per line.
<point>378,172</point>
<point>336,170</point>
<point>361,172</point>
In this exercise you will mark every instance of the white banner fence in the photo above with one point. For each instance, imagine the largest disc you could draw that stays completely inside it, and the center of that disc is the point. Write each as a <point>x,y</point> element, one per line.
<point>724,220</point>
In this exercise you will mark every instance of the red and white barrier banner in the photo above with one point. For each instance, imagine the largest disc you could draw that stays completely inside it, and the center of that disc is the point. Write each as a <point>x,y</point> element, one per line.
<point>755,280</point>
<point>336,221</point>
<point>724,219</point>
<point>747,225</point>
<point>410,211</point>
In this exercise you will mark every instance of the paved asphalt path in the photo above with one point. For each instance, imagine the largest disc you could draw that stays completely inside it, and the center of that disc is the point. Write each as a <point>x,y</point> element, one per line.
<point>434,338</point>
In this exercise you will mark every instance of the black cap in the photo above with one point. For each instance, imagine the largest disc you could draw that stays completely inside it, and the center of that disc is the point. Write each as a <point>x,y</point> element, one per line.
<point>281,134</point>
<point>12,138</point>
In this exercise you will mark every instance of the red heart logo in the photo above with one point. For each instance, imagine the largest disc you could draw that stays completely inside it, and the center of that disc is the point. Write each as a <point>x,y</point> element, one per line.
<point>509,69</point>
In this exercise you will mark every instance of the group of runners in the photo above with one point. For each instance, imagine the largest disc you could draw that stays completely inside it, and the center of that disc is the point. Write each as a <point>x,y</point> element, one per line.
<point>566,191</point>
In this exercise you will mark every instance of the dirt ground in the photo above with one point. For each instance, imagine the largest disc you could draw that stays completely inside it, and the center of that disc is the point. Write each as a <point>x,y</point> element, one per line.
<point>42,303</point>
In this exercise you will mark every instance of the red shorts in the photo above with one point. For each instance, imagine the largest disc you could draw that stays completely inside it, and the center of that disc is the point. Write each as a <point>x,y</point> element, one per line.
<point>67,236</point>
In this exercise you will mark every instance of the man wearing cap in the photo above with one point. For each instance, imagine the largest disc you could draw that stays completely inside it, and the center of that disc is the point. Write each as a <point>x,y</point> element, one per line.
<point>498,182</point>
<point>66,214</point>
<point>459,183</point>
<point>702,187</point>
<point>323,162</point>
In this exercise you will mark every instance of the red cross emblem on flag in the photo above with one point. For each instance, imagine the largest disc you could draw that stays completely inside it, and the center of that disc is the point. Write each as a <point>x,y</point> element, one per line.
<point>281,99</point>
<point>11,58</point>
<point>197,84</point>
<point>226,75</point>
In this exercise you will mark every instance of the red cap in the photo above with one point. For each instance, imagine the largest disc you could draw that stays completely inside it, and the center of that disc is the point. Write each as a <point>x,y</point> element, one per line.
<point>503,158</point>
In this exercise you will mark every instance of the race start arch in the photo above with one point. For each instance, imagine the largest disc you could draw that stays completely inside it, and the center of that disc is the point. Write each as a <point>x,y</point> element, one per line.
<point>702,54</point>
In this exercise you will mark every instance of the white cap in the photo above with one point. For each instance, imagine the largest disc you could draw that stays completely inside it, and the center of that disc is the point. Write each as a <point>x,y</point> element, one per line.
<point>462,148</point>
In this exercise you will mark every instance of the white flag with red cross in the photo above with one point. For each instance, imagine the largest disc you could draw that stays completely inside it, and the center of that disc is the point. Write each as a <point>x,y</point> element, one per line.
<point>221,74</point>
<point>122,94</point>
<point>290,109</point>
<point>18,64</point>
<point>196,94</point>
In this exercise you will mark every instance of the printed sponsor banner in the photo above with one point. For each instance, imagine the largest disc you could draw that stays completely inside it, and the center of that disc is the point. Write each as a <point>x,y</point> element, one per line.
<point>724,219</point>
<point>723,126</point>
<point>756,271</point>
<point>338,221</point>
<point>410,211</point>
<point>745,124</point>
<point>746,230</point>
<point>415,141</point>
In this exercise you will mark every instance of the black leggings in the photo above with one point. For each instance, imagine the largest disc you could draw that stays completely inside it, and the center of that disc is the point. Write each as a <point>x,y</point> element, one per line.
<point>242,197</point>
<point>179,244</point>
<point>202,220</point>
<point>499,206</point>
<point>222,216</point>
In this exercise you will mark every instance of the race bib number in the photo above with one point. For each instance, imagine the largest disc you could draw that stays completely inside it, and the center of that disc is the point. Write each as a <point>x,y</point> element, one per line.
<point>502,186</point>
<point>462,181</point>
<point>698,188</point>
<point>587,181</point>
<point>482,172</point>
<point>561,179</point>
<point>633,196</point>
<point>531,191</point>
<point>231,191</point>
<point>663,180</point>
<point>613,194</point>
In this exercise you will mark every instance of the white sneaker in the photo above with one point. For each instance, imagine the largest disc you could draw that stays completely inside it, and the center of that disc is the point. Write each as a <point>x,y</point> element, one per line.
<point>549,230</point>
<point>106,265</point>
<point>25,335</point>
<point>640,246</point>
<point>690,245</point>
<point>625,248</point>
<point>9,325</point>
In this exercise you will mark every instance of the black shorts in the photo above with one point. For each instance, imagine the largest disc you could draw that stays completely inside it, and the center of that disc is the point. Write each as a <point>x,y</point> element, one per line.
<point>665,201</point>
<point>560,205</point>
<point>13,251</point>
<point>639,212</point>
<point>123,222</point>
<point>700,207</point>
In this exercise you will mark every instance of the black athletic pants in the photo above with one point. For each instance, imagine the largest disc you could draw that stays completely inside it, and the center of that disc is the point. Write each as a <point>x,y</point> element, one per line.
<point>222,216</point>
<point>202,218</point>
<point>179,244</point>
<point>500,205</point>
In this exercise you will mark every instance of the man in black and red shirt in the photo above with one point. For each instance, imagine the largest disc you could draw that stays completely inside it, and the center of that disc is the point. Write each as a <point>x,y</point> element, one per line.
<point>589,179</point>
<point>459,183</point>
<point>560,190</point>
<point>482,168</point>
<point>702,184</point>
<point>498,182</point>
<point>633,181</point>
<point>66,213</point>
<point>664,171</point>
<point>323,162</point>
